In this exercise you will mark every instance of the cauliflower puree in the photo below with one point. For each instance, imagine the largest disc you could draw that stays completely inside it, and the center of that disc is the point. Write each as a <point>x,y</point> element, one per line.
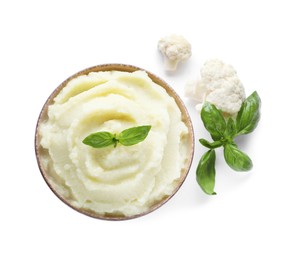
<point>121,181</point>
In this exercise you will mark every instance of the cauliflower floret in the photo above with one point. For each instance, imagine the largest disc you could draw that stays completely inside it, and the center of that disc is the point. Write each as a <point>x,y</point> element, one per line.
<point>175,49</point>
<point>219,85</point>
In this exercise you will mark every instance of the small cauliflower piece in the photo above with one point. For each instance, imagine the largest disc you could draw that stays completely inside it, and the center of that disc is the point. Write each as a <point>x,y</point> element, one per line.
<point>219,85</point>
<point>175,49</point>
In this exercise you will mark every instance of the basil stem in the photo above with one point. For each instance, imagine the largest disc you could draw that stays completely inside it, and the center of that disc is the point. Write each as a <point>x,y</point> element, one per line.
<point>230,130</point>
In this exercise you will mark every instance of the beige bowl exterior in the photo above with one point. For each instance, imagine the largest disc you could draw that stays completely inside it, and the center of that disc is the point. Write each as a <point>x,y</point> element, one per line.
<point>127,68</point>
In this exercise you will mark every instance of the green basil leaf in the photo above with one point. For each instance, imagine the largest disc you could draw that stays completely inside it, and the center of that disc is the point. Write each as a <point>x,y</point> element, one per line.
<point>206,172</point>
<point>236,159</point>
<point>248,115</point>
<point>209,145</point>
<point>133,135</point>
<point>100,139</point>
<point>230,130</point>
<point>213,121</point>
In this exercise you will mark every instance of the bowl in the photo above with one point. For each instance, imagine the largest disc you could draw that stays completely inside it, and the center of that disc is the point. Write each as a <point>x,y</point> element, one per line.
<point>125,68</point>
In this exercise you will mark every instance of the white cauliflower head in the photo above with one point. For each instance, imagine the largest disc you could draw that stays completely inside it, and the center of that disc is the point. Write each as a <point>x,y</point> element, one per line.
<point>219,85</point>
<point>175,49</point>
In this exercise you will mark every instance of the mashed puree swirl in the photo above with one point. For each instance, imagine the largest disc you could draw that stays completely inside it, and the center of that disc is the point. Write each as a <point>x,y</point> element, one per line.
<point>126,180</point>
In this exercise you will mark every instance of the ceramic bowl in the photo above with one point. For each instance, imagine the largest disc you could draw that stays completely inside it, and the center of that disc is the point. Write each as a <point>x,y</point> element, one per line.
<point>127,68</point>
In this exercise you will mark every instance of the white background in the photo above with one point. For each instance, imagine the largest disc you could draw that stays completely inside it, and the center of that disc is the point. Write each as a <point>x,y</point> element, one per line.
<point>255,215</point>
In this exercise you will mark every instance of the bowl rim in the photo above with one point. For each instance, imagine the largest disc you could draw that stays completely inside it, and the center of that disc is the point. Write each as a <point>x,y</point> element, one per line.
<point>125,68</point>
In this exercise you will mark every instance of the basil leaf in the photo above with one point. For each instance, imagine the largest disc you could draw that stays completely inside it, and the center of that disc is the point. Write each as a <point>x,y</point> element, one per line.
<point>230,130</point>
<point>236,159</point>
<point>206,172</point>
<point>133,135</point>
<point>100,139</point>
<point>213,121</point>
<point>209,145</point>
<point>248,115</point>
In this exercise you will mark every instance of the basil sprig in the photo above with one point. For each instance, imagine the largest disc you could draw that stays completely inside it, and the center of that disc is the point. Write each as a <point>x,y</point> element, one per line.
<point>127,137</point>
<point>223,132</point>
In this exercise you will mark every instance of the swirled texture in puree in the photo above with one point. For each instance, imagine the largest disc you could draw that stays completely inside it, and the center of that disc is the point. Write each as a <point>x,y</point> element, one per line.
<point>126,180</point>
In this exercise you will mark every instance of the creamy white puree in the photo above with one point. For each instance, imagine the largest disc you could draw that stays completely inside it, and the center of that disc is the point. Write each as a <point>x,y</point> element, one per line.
<point>126,180</point>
